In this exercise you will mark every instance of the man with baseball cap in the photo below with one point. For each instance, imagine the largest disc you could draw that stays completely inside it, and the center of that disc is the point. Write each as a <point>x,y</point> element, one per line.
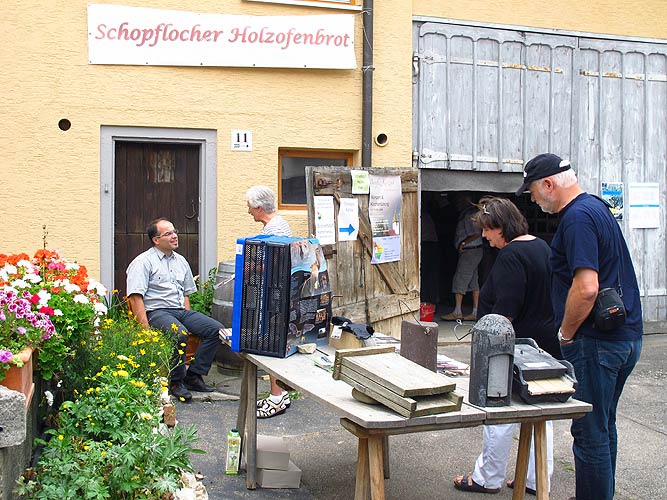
<point>588,253</point>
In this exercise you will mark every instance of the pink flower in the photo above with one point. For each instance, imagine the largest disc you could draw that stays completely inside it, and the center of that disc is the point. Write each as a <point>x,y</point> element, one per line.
<point>5,356</point>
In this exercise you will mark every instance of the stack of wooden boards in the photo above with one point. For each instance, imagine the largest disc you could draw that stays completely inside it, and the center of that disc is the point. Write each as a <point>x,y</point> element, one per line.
<point>396,382</point>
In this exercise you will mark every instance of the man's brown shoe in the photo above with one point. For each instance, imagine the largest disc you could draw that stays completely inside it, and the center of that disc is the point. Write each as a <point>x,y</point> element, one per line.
<point>470,317</point>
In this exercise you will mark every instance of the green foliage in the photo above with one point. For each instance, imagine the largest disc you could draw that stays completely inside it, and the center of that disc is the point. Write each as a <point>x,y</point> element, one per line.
<point>122,344</point>
<point>110,442</point>
<point>202,299</point>
<point>141,466</point>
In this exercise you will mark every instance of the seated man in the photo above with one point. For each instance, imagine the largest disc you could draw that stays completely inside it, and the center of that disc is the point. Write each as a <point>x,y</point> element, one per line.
<point>158,284</point>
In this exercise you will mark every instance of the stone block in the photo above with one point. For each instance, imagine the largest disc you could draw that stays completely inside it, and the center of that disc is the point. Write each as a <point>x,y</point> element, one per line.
<point>12,417</point>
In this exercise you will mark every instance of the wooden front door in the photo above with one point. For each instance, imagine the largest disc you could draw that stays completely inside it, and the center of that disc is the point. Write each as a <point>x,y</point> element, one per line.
<point>154,180</point>
<point>381,295</point>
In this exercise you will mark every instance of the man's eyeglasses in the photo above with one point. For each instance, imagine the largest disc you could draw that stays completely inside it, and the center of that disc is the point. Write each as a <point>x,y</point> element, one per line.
<point>168,233</point>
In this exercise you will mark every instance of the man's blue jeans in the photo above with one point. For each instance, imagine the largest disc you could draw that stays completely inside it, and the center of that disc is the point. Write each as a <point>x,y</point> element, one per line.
<point>601,367</point>
<point>188,321</point>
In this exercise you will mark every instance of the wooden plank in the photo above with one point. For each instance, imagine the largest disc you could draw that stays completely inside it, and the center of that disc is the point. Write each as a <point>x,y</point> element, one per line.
<point>381,307</point>
<point>376,391</point>
<point>378,397</point>
<point>407,407</point>
<point>550,386</point>
<point>399,374</point>
<point>363,351</point>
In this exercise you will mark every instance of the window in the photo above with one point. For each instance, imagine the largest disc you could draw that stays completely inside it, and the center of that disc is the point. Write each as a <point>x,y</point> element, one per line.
<point>329,4</point>
<point>292,170</point>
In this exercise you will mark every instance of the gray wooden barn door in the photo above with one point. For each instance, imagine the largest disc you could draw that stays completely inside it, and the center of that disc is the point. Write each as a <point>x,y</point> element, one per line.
<point>622,115</point>
<point>488,98</point>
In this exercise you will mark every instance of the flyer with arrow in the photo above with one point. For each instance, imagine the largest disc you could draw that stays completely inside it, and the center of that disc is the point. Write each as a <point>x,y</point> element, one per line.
<point>348,219</point>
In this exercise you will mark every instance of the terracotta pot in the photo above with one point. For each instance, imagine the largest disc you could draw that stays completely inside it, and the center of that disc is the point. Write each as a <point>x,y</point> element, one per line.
<point>20,379</point>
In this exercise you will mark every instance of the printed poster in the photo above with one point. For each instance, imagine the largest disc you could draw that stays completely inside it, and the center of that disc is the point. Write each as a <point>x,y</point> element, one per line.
<point>612,193</point>
<point>325,227</point>
<point>348,219</point>
<point>384,211</point>
<point>644,202</point>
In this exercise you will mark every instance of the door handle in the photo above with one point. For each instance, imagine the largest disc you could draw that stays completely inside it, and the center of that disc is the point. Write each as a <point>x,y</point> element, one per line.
<point>194,211</point>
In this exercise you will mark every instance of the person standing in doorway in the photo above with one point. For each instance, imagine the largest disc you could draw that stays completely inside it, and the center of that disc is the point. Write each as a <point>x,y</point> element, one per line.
<point>519,288</point>
<point>262,206</point>
<point>468,242</point>
<point>588,254</point>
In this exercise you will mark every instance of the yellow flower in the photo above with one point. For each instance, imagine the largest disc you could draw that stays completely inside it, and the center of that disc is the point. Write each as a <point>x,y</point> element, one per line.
<point>142,352</point>
<point>174,327</point>
<point>180,352</point>
<point>86,448</point>
<point>104,453</point>
<point>60,437</point>
<point>152,365</point>
<point>149,392</point>
<point>123,373</point>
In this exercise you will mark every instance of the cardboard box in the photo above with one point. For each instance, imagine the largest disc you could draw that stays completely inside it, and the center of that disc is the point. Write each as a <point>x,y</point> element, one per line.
<point>347,340</point>
<point>269,478</point>
<point>272,453</point>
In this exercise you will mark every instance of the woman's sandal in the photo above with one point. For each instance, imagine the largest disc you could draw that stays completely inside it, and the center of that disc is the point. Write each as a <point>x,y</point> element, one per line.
<point>530,491</point>
<point>270,409</point>
<point>284,401</point>
<point>467,483</point>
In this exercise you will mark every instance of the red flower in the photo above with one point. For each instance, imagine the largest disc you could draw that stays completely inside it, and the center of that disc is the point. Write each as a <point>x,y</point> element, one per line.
<point>47,310</point>
<point>34,299</point>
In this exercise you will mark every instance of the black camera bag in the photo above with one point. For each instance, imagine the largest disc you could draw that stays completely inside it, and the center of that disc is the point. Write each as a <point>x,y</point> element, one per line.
<point>609,311</point>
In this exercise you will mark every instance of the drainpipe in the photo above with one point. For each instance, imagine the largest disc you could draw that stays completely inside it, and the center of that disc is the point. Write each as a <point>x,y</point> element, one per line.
<point>367,88</point>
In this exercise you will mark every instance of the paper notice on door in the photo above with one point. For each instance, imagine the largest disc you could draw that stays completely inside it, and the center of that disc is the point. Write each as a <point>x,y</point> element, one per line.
<point>644,205</point>
<point>384,212</point>
<point>325,227</point>
<point>348,219</point>
<point>360,182</point>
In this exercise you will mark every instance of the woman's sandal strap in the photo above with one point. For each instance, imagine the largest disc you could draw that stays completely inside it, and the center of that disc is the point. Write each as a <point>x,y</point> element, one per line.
<point>270,409</point>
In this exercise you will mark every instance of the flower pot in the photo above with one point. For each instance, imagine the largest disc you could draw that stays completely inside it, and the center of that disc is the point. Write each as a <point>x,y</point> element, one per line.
<point>20,379</point>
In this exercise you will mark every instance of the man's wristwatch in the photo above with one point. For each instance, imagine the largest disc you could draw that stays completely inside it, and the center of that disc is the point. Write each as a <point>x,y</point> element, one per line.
<point>562,339</point>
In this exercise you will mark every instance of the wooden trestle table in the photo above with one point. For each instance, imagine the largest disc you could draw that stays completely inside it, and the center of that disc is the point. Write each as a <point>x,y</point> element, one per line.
<point>373,424</point>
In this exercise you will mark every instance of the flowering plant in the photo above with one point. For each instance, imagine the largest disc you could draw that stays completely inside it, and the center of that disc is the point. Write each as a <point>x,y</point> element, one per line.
<point>60,289</point>
<point>20,327</point>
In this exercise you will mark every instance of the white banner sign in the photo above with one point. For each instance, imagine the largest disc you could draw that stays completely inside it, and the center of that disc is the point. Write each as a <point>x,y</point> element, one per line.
<point>140,36</point>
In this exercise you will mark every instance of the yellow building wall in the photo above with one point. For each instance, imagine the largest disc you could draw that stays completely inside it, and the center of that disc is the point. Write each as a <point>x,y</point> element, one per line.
<point>52,178</point>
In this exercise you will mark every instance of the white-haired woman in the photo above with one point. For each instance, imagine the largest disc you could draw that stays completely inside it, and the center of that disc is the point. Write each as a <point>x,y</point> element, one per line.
<point>262,206</point>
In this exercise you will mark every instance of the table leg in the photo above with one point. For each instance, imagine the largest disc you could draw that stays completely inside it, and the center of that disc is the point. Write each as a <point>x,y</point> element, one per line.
<point>385,455</point>
<point>251,428</point>
<point>541,472</point>
<point>376,471</point>
<point>243,401</point>
<point>521,469</point>
<point>363,480</point>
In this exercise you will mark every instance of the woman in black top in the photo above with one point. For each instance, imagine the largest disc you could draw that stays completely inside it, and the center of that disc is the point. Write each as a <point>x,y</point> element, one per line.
<point>519,288</point>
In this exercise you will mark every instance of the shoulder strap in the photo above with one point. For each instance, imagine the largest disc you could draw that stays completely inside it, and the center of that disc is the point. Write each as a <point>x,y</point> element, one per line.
<point>608,205</point>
